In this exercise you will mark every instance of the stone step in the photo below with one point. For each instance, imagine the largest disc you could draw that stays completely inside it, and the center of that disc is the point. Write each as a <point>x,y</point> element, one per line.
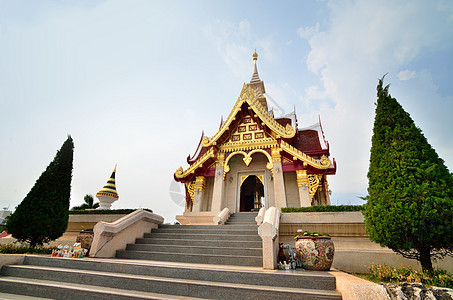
<point>197,258</point>
<point>279,278</point>
<point>218,227</point>
<point>52,289</point>
<point>202,243</point>
<point>178,279</point>
<point>195,249</point>
<point>86,281</point>
<point>220,231</point>
<point>240,223</point>
<point>6,296</point>
<point>212,237</point>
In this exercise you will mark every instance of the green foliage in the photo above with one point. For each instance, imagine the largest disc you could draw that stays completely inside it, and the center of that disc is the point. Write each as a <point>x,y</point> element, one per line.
<point>323,208</point>
<point>20,249</point>
<point>105,211</point>
<point>410,204</point>
<point>305,233</point>
<point>89,203</point>
<point>437,277</point>
<point>43,214</point>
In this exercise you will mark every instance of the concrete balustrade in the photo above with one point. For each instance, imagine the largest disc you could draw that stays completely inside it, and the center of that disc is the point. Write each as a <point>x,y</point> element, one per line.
<point>268,231</point>
<point>110,237</point>
<point>260,217</point>
<point>221,218</point>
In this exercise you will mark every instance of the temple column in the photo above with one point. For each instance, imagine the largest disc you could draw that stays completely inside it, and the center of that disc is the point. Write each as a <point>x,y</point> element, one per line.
<point>219,184</point>
<point>302,183</point>
<point>326,188</point>
<point>279,182</point>
<point>200,186</point>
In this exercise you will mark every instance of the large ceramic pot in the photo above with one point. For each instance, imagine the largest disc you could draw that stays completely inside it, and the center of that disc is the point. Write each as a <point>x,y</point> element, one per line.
<point>316,252</point>
<point>85,238</point>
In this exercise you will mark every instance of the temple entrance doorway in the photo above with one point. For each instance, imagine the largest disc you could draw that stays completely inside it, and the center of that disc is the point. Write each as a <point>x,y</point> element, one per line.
<point>252,193</point>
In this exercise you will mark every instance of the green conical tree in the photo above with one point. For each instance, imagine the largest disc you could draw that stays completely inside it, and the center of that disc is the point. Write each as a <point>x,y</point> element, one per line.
<point>410,204</point>
<point>43,214</point>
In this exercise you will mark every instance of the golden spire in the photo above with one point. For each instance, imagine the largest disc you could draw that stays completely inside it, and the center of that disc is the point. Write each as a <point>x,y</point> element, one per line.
<point>109,188</point>
<point>255,77</point>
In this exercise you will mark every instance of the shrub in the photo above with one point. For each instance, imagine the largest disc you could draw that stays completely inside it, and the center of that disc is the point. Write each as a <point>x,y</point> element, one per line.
<point>21,249</point>
<point>437,277</point>
<point>323,208</point>
<point>105,211</point>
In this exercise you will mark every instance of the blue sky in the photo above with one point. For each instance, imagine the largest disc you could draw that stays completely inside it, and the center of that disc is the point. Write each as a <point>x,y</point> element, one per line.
<point>135,83</point>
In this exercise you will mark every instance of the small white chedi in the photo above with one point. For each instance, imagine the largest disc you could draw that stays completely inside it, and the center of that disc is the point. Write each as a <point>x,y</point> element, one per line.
<point>107,195</point>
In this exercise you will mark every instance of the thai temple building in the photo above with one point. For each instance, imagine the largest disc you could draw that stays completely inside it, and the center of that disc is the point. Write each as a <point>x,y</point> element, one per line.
<point>107,195</point>
<point>255,160</point>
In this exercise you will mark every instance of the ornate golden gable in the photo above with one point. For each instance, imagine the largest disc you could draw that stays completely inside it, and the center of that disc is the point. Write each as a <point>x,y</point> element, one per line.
<point>251,96</point>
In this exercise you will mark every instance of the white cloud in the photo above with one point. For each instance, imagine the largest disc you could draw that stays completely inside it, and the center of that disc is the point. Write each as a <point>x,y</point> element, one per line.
<point>366,40</point>
<point>308,32</point>
<point>406,75</point>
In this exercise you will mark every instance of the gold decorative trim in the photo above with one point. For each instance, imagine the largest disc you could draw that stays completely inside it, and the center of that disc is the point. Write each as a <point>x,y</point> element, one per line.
<point>276,156</point>
<point>323,164</point>
<point>247,159</point>
<point>248,145</point>
<point>313,182</point>
<point>243,178</point>
<point>190,186</point>
<point>302,178</point>
<point>251,96</point>
<point>200,183</point>
<point>260,177</point>
<point>180,173</point>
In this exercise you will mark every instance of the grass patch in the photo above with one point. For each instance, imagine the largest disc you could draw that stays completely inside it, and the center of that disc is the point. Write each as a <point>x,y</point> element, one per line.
<point>387,274</point>
<point>105,211</point>
<point>323,208</point>
<point>21,249</point>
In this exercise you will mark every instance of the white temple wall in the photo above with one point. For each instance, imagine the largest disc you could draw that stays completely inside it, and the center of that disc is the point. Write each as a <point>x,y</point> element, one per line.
<point>291,189</point>
<point>233,179</point>
<point>207,200</point>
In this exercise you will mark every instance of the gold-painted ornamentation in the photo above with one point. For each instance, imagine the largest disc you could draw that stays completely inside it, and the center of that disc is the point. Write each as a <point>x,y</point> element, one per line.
<point>313,183</point>
<point>180,173</point>
<point>247,160</point>
<point>190,186</point>
<point>233,146</point>
<point>251,96</point>
<point>200,183</point>
<point>276,154</point>
<point>260,177</point>
<point>323,164</point>
<point>302,178</point>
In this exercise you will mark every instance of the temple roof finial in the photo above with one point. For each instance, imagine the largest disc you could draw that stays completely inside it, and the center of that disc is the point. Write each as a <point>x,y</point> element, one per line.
<point>255,77</point>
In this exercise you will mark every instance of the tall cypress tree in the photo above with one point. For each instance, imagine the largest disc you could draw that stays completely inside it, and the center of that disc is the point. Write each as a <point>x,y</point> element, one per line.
<point>410,205</point>
<point>43,214</point>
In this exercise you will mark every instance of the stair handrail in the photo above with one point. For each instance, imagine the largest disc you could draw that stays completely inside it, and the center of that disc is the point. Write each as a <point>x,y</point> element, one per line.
<point>110,237</point>
<point>221,218</point>
<point>260,217</point>
<point>268,231</point>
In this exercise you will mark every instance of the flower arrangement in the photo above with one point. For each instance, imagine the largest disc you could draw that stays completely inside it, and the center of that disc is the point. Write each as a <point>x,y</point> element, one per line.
<point>300,233</point>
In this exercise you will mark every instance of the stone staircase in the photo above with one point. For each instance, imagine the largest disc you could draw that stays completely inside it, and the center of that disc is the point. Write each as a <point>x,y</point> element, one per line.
<point>173,262</point>
<point>235,243</point>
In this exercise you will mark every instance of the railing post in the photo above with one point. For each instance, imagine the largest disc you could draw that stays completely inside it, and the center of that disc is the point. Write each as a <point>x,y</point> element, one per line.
<point>268,232</point>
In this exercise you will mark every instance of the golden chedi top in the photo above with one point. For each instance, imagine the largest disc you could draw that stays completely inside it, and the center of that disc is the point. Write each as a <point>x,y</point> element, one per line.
<point>109,188</point>
<point>255,56</point>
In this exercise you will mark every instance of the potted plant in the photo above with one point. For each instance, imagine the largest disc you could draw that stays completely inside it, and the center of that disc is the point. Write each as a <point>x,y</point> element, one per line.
<point>316,250</point>
<point>85,238</point>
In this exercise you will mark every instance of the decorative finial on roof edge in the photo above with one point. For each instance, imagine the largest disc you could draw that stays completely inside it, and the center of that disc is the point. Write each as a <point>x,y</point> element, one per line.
<point>255,56</point>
